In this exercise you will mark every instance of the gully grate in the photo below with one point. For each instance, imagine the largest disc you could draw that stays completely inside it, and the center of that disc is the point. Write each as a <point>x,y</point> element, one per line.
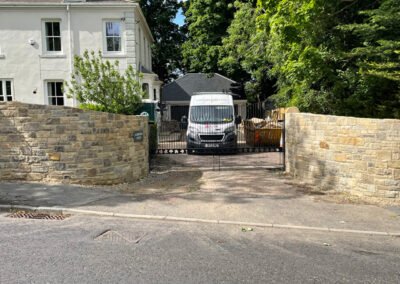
<point>37,215</point>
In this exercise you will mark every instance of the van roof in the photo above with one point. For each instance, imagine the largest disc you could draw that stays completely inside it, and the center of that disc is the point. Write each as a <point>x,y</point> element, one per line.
<point>211,99</point>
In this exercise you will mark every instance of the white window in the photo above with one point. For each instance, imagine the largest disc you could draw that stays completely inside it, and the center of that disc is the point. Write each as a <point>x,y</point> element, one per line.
<point>6,91</point>
<point>113,36</point>
<point>55,93</point>
<point>52,33</point>
<point>145,88</point>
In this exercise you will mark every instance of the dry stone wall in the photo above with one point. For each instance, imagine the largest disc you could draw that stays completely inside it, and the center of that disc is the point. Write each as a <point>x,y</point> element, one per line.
<point>62,144</point>
<point>356,155</point>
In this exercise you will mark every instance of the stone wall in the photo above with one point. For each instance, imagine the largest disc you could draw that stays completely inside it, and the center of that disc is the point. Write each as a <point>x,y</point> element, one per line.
<point>62,144</point>
<point>356,155</point>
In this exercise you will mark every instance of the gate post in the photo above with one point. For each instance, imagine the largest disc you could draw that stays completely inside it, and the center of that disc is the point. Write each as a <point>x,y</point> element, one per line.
<point>284,142</point>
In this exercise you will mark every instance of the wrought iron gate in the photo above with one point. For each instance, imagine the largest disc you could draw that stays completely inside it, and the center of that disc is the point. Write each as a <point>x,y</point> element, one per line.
<point>217,130</point>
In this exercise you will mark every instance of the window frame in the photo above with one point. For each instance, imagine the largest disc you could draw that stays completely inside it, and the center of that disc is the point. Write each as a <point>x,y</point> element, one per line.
<point>146,90</point>
<point>46,86</point>
<point>45,48</point>
<point>122,36</point>
<point>4,90</point>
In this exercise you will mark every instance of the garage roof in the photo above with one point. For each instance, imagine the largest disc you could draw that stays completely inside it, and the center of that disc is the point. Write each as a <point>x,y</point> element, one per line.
<point>183,88</point>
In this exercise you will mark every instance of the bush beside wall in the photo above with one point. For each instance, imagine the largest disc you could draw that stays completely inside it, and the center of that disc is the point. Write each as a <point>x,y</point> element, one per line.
<point>62,144</point>
<point>355,155</point>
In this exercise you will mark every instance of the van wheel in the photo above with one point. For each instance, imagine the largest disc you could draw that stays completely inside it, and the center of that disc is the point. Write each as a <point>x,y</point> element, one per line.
<point>190,151</point>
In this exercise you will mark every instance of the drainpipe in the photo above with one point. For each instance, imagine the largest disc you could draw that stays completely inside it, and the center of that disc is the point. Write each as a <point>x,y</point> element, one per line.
<point>71,47</point>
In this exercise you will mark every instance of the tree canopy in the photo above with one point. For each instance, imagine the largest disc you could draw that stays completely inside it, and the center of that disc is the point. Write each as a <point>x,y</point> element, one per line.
<point>167,57</point>
<point>242,55</point>
<point>332,57</point>
<point>207,23</point>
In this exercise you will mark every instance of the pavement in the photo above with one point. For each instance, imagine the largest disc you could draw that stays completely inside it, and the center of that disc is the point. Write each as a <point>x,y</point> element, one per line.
<point>253,197</point>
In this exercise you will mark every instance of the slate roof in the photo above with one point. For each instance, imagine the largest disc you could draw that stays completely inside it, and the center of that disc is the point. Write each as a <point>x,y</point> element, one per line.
<point>183,88</point>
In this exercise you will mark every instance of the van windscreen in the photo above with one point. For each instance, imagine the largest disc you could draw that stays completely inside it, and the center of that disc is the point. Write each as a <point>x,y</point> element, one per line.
<point>211,114</point>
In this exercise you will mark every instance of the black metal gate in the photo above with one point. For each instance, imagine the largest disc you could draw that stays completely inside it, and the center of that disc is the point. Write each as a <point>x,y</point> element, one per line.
<point>221,131</point>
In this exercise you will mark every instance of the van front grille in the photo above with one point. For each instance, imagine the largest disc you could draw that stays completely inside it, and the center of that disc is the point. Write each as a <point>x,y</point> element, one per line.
<point>211,137</point>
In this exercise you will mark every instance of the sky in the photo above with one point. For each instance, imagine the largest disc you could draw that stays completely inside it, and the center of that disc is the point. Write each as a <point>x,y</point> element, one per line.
<point>180,18</point>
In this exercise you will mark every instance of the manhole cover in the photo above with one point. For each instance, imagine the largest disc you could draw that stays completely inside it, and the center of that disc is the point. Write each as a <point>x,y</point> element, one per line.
<point>117,237</point>
<point>37,215</point>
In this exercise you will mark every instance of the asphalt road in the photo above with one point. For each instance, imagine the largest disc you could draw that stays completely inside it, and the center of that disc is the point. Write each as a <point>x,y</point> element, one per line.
<point>108,250</point>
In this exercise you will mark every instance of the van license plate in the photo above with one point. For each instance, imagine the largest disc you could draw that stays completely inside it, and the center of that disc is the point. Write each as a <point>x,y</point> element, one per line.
<point>211,145</point>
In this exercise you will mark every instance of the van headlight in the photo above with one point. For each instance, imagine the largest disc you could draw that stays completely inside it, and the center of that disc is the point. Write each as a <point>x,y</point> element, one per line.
<point>191,130</point>
<point>230,129</point>
<point>192,133</point>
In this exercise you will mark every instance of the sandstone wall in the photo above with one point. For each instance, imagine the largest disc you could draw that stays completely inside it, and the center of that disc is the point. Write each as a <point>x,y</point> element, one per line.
<point>356,155</point>
<point>62,144</point>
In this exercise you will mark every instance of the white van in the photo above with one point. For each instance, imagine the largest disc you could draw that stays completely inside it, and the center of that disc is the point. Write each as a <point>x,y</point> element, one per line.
<point>211,123</point>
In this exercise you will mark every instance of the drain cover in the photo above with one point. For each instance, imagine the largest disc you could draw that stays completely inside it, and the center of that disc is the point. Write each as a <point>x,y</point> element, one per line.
<point>117,237</point>
<point>37,215</point>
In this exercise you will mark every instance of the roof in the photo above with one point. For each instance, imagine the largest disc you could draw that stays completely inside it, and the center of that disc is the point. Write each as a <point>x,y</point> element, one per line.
<point>64,1</point>
<point>183,88</point>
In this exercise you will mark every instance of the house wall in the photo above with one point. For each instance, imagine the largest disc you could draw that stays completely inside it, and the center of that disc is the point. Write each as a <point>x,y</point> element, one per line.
<point>355,155</point>
<point>27,65</point>
<point>69,145</point>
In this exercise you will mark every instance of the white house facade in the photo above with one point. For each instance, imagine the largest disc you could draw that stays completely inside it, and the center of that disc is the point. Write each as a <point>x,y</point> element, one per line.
<point>39,38</point>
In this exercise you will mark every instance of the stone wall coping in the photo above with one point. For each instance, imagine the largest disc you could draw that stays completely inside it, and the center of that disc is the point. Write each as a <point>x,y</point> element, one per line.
<point>307,114</point>
<point>74,109</point>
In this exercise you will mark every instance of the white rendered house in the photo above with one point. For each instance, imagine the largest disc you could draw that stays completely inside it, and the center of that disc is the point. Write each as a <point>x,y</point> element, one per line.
<point>39,38</point>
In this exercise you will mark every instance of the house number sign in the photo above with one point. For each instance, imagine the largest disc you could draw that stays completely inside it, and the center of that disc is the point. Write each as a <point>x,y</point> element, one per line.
<point>137,136</point>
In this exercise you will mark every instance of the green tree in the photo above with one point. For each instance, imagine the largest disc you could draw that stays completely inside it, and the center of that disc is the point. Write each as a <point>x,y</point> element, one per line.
<point>377,56</point>
<point>242,55</point>
<point>298,51</point>
<point>168,36</point>
<point>100,85</point>
<point>207,22</point>
<point>314,57</point>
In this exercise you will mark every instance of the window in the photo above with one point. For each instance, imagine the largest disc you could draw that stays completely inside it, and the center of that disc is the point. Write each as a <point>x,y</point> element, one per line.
<point>155,94</point>
<point>145,88</point>
<point>6,91</point>
<point>211,114</point>
<point>53,36</point>
<point>55,93</point>
<point>113,36</point>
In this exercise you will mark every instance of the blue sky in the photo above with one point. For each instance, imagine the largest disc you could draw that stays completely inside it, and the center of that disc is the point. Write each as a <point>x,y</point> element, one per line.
<point>180,18</point>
